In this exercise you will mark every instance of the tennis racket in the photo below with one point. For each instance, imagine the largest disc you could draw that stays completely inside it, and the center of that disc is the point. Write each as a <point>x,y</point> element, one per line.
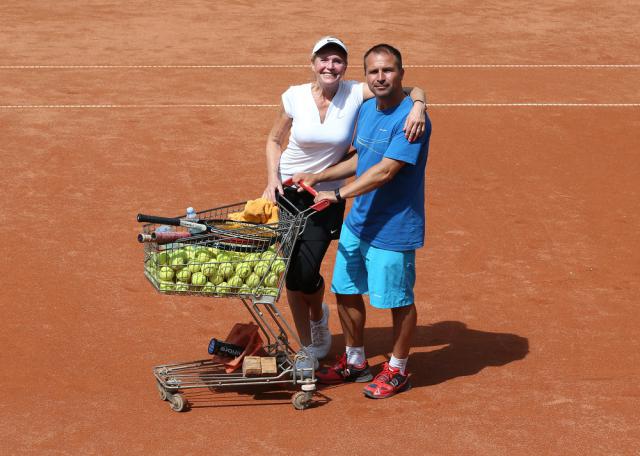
<point>223,233</point>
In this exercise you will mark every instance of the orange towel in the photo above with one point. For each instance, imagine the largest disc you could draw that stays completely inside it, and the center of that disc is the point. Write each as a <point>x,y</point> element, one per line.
<point>258,210</point>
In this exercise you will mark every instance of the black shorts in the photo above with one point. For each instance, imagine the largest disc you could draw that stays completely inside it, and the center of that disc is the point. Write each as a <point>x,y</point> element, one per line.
<point>312,244</point>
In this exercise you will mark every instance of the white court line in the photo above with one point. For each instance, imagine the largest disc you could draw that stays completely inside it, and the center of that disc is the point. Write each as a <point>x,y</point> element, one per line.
<point>480,65</point>
<point>431,105</point>
<point>536,105</point>
<point>139,106</point>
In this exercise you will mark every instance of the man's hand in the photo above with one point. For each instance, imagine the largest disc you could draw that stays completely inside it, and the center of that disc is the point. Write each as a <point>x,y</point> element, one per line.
<point>414,125</point>
<point>310,179</point>
<point>331,196</point>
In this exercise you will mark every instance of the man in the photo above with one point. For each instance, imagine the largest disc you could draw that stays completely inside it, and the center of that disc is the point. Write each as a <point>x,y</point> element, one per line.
<point>376,252</point>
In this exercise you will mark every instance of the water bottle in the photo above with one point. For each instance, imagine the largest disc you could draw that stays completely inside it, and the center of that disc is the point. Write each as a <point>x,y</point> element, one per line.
<point>193,217</point>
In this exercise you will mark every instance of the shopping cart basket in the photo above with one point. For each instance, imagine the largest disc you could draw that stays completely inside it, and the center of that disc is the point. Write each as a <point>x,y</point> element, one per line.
<point>231,259</point>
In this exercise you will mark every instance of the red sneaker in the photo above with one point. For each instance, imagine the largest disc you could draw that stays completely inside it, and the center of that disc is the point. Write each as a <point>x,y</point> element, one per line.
<point>342,372</point>
<point>387,383</point>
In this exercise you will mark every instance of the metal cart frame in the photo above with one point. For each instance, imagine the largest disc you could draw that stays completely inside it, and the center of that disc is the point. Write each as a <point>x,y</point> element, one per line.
<point>172,380</point>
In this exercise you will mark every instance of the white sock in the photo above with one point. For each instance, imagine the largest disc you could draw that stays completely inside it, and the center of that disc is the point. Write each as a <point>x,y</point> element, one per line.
<point>355,355</point>
<point>399,364</point>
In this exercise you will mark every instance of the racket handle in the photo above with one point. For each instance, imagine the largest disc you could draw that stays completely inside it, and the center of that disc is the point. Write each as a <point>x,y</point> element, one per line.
<point>320,205</point>
<point>173,221</point>
<point>218,347</point>
<point>169,236</point>
<point>144,237</point>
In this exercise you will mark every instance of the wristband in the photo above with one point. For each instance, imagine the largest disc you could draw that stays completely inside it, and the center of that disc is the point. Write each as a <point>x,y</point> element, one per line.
<point>338,196</point>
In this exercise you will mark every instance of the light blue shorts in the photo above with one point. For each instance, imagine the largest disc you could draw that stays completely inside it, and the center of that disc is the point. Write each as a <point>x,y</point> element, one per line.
<point>386,276</point>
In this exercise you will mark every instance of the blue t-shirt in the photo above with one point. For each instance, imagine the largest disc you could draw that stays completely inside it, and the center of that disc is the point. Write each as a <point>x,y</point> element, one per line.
<point>390,217</point>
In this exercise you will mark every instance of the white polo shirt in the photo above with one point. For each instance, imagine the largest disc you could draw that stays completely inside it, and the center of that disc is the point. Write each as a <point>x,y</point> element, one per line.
<point>314,146</point>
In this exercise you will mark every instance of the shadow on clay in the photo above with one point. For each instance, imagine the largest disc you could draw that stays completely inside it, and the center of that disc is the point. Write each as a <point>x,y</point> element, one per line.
<point>454,350</point>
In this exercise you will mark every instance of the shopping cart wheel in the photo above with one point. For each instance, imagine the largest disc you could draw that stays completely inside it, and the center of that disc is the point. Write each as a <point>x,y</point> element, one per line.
<point>162,391</point>
<point>178,403</point>
<point>301,400</point>
<point>165,392</point>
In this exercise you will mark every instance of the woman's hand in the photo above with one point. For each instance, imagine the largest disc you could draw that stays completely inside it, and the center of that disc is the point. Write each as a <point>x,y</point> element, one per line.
<point>273,185</point>
<point>414,125</point>
<point>310,179</point>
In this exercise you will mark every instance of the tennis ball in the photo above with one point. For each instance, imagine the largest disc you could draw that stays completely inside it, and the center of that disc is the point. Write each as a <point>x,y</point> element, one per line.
<point>217,279</point>
<point>226,270</point>
<point>271,280</point>
<point>194,266</point>
<point>272,291</point>
<point>243,270</point>
<point>198,279</point>
<point>202,256</point>
<point>181,286</point>
<point>245,290</point>
<point>235,282</point>
<point>209,269</point>
<point>223,288</point>
<point>223,257</point>
<point>167,286</point>
<point>261,268</point>
<point>268,291</point>
<point>150,266</point>
<point>213,252</point>
<point>253,280</point>
<point>183,275</point>
<point>178,262</point>
<point>268,254</point>
<point>190,251</point>
<point>163,258</point>
<point>208,288</point>
<point>236,256</point>
<point>252,257</point>
<point>165,273</point>
<point>278,266</point>
<point>183,253</point>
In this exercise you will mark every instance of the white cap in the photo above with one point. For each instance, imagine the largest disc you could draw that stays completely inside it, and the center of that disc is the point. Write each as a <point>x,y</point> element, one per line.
<point>329,40</point>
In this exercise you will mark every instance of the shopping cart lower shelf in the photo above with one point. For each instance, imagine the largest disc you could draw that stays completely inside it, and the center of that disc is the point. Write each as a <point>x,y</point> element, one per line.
<point>173,380</point>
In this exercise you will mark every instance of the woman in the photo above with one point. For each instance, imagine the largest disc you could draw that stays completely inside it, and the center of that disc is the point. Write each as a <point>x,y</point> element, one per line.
<point>319,119</point>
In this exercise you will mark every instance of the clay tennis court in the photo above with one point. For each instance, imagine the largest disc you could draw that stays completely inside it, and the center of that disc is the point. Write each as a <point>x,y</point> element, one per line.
<point>527,288</point>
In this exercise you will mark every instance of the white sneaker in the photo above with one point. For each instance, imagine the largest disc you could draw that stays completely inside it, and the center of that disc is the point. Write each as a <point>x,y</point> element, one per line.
<point>320,334</point>
<point>306,361</point>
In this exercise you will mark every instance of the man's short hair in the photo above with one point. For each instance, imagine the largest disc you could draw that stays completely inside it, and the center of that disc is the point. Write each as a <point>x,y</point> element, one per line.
<point>384,48</point>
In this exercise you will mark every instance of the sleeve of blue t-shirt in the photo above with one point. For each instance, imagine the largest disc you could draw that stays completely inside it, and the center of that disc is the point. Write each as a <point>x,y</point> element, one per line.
<point>402,150</point>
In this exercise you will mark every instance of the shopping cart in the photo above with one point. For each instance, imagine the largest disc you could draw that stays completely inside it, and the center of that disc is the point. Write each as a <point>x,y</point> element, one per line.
<point>231,259</point>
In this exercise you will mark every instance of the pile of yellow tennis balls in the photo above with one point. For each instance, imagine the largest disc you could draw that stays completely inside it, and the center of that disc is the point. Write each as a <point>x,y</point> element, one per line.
<point>208,270</point>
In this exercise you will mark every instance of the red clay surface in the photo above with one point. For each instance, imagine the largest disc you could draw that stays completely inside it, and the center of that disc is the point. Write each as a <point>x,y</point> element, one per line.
<point>527,289</point>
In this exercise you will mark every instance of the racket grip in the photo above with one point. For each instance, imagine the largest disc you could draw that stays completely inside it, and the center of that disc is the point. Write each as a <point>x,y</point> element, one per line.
<point>173,221</point>
<point>144,237</point>
<point>218,347</point>
<point>169,236</point>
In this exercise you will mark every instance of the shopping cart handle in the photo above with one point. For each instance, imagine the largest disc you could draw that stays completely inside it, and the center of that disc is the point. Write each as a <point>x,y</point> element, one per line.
<point>320,205</point>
